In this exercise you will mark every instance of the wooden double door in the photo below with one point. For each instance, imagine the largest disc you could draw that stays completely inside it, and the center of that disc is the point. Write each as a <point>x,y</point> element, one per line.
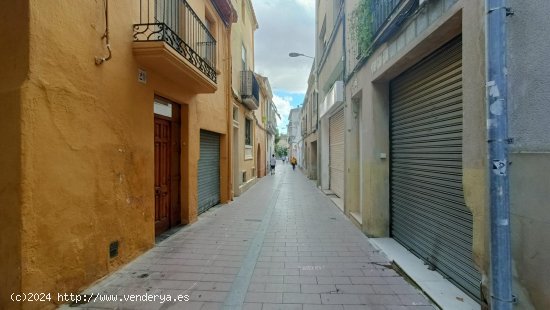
<point>167,170</point>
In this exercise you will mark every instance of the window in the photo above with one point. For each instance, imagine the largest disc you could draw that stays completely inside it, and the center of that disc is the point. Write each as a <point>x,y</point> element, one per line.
<point>210,43</point>
<point>244,57</point>
<point>243,11</point>
<point>248,132</point>
<point>322,39</point>
<point>236,115</point>
<point>336,9</point>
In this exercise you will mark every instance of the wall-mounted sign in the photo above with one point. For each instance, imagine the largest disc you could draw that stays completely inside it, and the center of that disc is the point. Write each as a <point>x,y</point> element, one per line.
<point>142,76</point>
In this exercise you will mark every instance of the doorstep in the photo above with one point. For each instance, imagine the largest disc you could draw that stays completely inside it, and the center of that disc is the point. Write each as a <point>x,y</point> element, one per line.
<point>445,294</point>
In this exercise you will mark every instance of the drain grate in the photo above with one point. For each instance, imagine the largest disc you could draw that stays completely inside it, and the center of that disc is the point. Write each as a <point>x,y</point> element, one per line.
<point>252,220</point>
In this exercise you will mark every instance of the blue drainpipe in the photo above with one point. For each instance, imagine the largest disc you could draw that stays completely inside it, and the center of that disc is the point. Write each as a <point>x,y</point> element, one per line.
<point>497,126</point>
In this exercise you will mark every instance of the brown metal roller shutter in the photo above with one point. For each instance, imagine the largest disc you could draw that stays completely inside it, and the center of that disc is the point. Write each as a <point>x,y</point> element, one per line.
<point>428,212</point>
<point>336,147</point>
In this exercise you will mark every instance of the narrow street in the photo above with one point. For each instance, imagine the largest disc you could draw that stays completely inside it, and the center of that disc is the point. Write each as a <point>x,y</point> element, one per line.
<point>283,245</point>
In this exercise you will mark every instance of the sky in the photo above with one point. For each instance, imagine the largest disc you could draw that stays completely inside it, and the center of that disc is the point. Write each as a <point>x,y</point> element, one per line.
<point>285,26</point>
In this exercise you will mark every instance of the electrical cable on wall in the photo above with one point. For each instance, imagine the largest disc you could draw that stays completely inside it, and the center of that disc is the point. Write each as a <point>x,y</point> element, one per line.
<point>100,60</point>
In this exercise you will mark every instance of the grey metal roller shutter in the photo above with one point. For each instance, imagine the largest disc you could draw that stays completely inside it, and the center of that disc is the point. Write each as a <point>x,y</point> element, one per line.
<point>336,153</point>
<point>209,170</point>
<point>428,212</point>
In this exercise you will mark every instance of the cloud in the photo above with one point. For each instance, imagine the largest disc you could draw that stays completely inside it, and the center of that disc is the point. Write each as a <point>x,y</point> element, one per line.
<point>284,106</point>
<point>285,26</point>
<point>307,4</point>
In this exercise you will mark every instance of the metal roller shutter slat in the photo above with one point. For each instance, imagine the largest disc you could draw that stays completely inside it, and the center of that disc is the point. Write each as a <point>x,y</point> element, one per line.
<point>428,212</point>
<point>428,90</point>
<point>336,153</point>
<point>209,171</point>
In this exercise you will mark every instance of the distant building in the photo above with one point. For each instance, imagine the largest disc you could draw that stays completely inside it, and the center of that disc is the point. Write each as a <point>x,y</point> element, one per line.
<point>294,132</point>
<point>266,124</point>
<point>309,128</point>
<point>283,142</point>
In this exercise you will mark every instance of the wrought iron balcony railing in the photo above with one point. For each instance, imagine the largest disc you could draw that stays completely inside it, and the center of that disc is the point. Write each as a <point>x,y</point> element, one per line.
<point>381,11</point>
<point>389,15</point>
<point>250,90</point>
<point>175,22</point>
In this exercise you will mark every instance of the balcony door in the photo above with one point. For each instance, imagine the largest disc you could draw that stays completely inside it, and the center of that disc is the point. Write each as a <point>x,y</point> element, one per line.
<point>168,12</point>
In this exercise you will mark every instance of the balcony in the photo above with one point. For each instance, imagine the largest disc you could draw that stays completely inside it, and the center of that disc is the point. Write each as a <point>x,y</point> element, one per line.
<point>388,16</point>
<point>250,90</point>
<point>272,127</point>
<point>333,99</point>
<point>172,41</point>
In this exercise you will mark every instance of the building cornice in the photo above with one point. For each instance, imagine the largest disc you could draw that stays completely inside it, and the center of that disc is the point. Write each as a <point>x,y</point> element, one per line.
<point>226,11</point>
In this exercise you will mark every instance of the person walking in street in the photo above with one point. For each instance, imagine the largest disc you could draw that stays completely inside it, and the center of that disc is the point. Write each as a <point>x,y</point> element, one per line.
<point>272,163</point>
<point>293,162</point>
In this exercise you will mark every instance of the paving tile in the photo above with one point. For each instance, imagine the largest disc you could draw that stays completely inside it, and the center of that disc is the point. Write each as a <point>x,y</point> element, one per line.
<point>207,296</point>
<point>282,288</point>
<point>333,280</point>
<point>315,272</point>
<point>311,258</point>
<point>213,286</point>
<point>341,299</point>
<point>256,287</point>
<point>282,307</point>
<point>346,272</point>
<point>364,307</point>
<point>300,298</point>
<point>218,277</point>
<point>212,306</point>
<point>368,280</point>
<point>264,297</point>
<point>318,288</point>
<point>395,280</point>
<point>300,279</point>
<point>323,307</point>
<point>252,306</point>
<point>271,265</point>
<point>285,259</point>
<point>380,299</point>
<point>284,272</point>
<point>403,289</point>
<point>357,289</point>
<point>267,279</point>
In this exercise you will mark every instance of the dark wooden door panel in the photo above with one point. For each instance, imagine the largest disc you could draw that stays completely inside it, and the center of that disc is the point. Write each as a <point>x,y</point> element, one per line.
<point>162,174</point>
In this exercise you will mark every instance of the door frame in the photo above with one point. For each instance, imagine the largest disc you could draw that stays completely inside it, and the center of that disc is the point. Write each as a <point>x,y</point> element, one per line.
<point>174,211</point>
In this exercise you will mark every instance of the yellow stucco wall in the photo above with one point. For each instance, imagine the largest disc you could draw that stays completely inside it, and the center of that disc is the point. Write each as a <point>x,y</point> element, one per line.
<point>242,34</point>
<point>86,144</point>
<point>245,163</point>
